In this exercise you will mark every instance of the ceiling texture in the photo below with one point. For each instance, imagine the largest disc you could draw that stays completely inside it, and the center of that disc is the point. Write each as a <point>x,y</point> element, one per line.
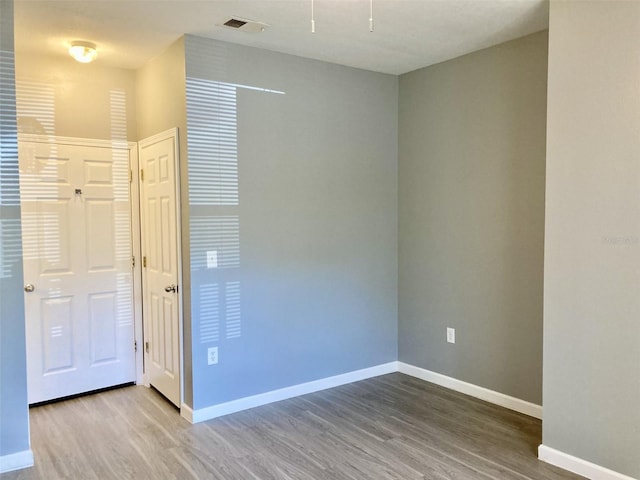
<point>408,34</point>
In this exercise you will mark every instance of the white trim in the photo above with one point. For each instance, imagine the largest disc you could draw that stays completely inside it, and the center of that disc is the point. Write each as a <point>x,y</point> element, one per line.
<point>85,142</point>
<point>186,412</point>
<point>200,415</point>
<point>578,465</point>
<point>136,251</point>
<point>16,461</point>
<point>176,145</point>
<point>160,136</point>
<point>482,393</point>
<point>497,398</point>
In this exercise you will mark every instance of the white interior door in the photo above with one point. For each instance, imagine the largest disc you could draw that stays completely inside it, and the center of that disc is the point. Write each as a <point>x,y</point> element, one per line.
<point>76,229</point>
<point>158,162</point>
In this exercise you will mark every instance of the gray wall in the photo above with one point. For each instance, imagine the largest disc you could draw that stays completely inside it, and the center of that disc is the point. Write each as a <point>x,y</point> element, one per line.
<point>297,193</point>
<point>471,216</point>
<point>160,92</point>
<point>592,244</point>
<point>58,96</point>
<point>14,415</point>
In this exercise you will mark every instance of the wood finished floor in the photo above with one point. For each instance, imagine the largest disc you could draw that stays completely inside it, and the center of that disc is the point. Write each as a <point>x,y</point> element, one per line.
<point>389,427</point>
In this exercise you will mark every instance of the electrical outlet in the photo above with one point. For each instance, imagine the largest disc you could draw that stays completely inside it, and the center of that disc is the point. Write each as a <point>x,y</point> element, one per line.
<point>212,356</point>
<point>451,335</point>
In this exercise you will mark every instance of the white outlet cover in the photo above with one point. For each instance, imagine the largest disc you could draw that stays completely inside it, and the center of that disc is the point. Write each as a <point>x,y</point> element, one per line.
<point>212,259</point>
<point>212,355</point>
<point>451,335</point>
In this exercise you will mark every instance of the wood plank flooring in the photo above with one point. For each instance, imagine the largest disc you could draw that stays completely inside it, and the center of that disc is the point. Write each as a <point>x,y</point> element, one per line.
<point>387,428</point>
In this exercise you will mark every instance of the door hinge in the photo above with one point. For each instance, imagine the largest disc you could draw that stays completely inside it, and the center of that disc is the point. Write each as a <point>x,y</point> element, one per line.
<point>133,262</point>
<point>142,174</point>
<point>144,261</point>
<point>146,347</point>
<point>130,175</point>
<point>135,346</point>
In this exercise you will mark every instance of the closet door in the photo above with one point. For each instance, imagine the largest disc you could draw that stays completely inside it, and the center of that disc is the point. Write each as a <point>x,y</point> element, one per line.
<point>76,229</point>
<point>161,299</point>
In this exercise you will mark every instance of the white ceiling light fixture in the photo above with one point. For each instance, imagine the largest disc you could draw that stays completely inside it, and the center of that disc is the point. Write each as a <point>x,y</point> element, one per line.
<point>83,52</point>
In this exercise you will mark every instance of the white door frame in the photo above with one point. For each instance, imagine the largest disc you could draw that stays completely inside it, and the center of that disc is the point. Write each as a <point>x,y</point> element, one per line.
<point>170,133</point>
<point>134,202</point>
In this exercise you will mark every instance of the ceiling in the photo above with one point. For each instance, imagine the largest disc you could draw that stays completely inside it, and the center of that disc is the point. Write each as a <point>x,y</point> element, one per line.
<point>409,34</point>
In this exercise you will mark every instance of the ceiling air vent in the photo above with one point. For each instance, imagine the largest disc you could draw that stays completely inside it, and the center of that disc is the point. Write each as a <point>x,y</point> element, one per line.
<point>245,25</point>
<point>235,23</point>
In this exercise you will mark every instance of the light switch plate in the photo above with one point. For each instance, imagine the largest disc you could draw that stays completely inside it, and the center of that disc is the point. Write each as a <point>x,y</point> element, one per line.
<point>212,259</point>
<point>451,335</point>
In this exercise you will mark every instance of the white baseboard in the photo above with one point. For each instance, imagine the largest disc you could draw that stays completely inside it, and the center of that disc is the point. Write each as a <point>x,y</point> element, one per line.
<point>482,393</point>
<point>214,411</point>
<point>578,465</point>
<point>186,412</point>
<point>546,454</point>
<point>202,414</point>
<point>16,461</point>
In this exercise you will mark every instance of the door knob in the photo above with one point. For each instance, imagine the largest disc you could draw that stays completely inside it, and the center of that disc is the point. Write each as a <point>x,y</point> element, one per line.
<point>29,288</point>
<point>171,288</point>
